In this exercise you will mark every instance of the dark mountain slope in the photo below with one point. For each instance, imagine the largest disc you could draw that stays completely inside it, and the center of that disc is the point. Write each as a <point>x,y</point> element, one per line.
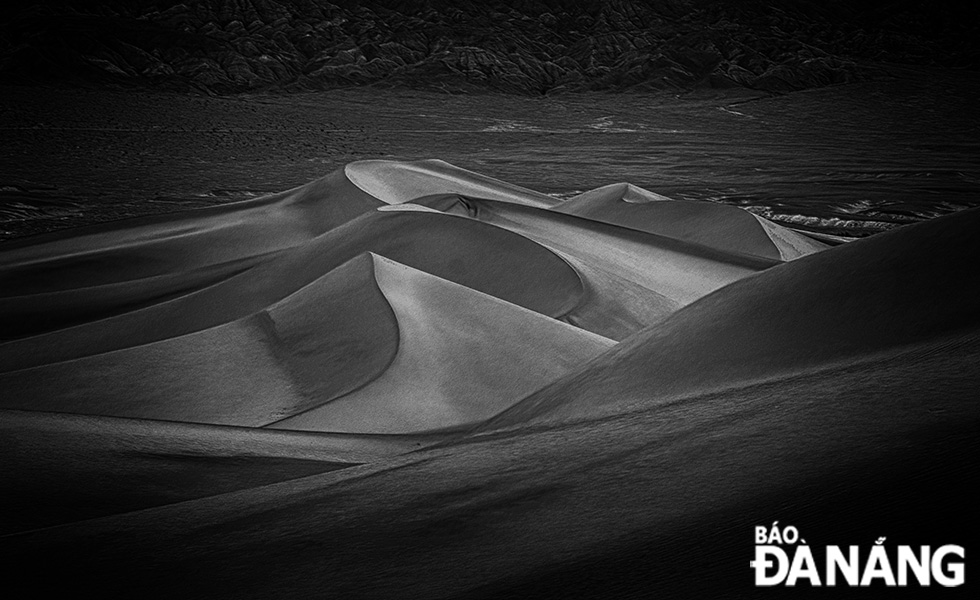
<point>532,46</point>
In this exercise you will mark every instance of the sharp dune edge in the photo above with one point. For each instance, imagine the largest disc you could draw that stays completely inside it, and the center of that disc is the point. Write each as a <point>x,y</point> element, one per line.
<point>401,380</point>
<point>463,357</point>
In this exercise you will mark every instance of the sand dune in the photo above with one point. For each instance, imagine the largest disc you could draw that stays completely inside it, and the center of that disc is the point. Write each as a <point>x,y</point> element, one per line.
<point>887,294</point>
<point>396,182</point>
<point>70,277</point>
<point>328,338</point>
<point>463,357</point>
<point>468,433</point>
<point>633,277</point>
<point>446,356</point>
<point>60,468</point>
<point>164,244</point>
<point>485,258</point>
<point>650,500</point>
<point>719,226</point>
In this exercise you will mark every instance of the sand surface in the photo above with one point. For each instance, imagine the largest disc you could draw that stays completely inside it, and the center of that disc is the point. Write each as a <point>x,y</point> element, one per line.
<point>410,380</point>
<point>716,225</point>
<point>882,296</point>
<point>397,182</point>
<point>463,357</point>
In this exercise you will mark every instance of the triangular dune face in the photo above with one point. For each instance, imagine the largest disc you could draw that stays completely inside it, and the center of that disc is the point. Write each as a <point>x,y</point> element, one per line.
<point>720,226</point>
<point>463,357</point>
<point>396,182</point>
<point>614,192</point>
<point>902,291</point>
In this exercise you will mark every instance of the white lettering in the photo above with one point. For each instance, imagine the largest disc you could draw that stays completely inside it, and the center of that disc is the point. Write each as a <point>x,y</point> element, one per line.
<point>878,566</point>
<point>786,535</point>
<point>956,568</point>
<point>803,567</point>
<point>761,564</point>
<point>919,566</point>
<point>849,569</point>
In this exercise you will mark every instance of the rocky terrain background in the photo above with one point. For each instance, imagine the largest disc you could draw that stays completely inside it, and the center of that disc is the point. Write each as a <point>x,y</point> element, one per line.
<point>526,47</point>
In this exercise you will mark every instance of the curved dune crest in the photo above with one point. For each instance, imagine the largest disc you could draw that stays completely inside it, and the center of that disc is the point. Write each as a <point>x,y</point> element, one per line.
<point>144,247</point>
<point>463,357</point>
<point>720,226</point>
<point>67,278</point>
<point>485,258</point>
<point>328,338</point>
<point>633,276</point>
<point>895,292</point>
<point>397,182</point>
<point>36,314</point>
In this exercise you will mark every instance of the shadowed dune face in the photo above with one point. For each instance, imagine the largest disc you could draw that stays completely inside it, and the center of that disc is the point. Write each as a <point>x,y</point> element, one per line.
<point>327,339</point>
<point>886,294</point>
<point>109,466</point>
<point>59,280</point>
<point>163,244</point>
<point>622,504</point>
<point>381,390</point>
<point>471,253</point>
<point>64,468</point>
<point>463,357</point>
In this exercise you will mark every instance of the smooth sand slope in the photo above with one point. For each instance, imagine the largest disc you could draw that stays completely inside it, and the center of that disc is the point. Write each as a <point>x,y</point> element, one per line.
<point>326,339</point>
<point>207,267</point>
<point>463,357</point>
<point>836,393</point>
<point>443,355</point>
<point>396,182</point>
<point>715,225</point>
<point>71,277</point>
<point>632,278</point>
<point>661,500</point>
<point>474,254</point>
<point>891,293</point>
<point>60,468</point>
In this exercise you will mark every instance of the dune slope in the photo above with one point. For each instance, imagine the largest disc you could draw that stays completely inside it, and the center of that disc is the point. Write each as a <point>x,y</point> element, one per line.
<point>328,338</point>
<point>485,258</point>
<point>633,278</point>
<point>66,278</point>
<point>463,357</point>
<point>648,500</point>
<point>60,468</point>
<point>888,293</point>
<point>715,225</point>
<point>397,182</point>
<point>498,451</point>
